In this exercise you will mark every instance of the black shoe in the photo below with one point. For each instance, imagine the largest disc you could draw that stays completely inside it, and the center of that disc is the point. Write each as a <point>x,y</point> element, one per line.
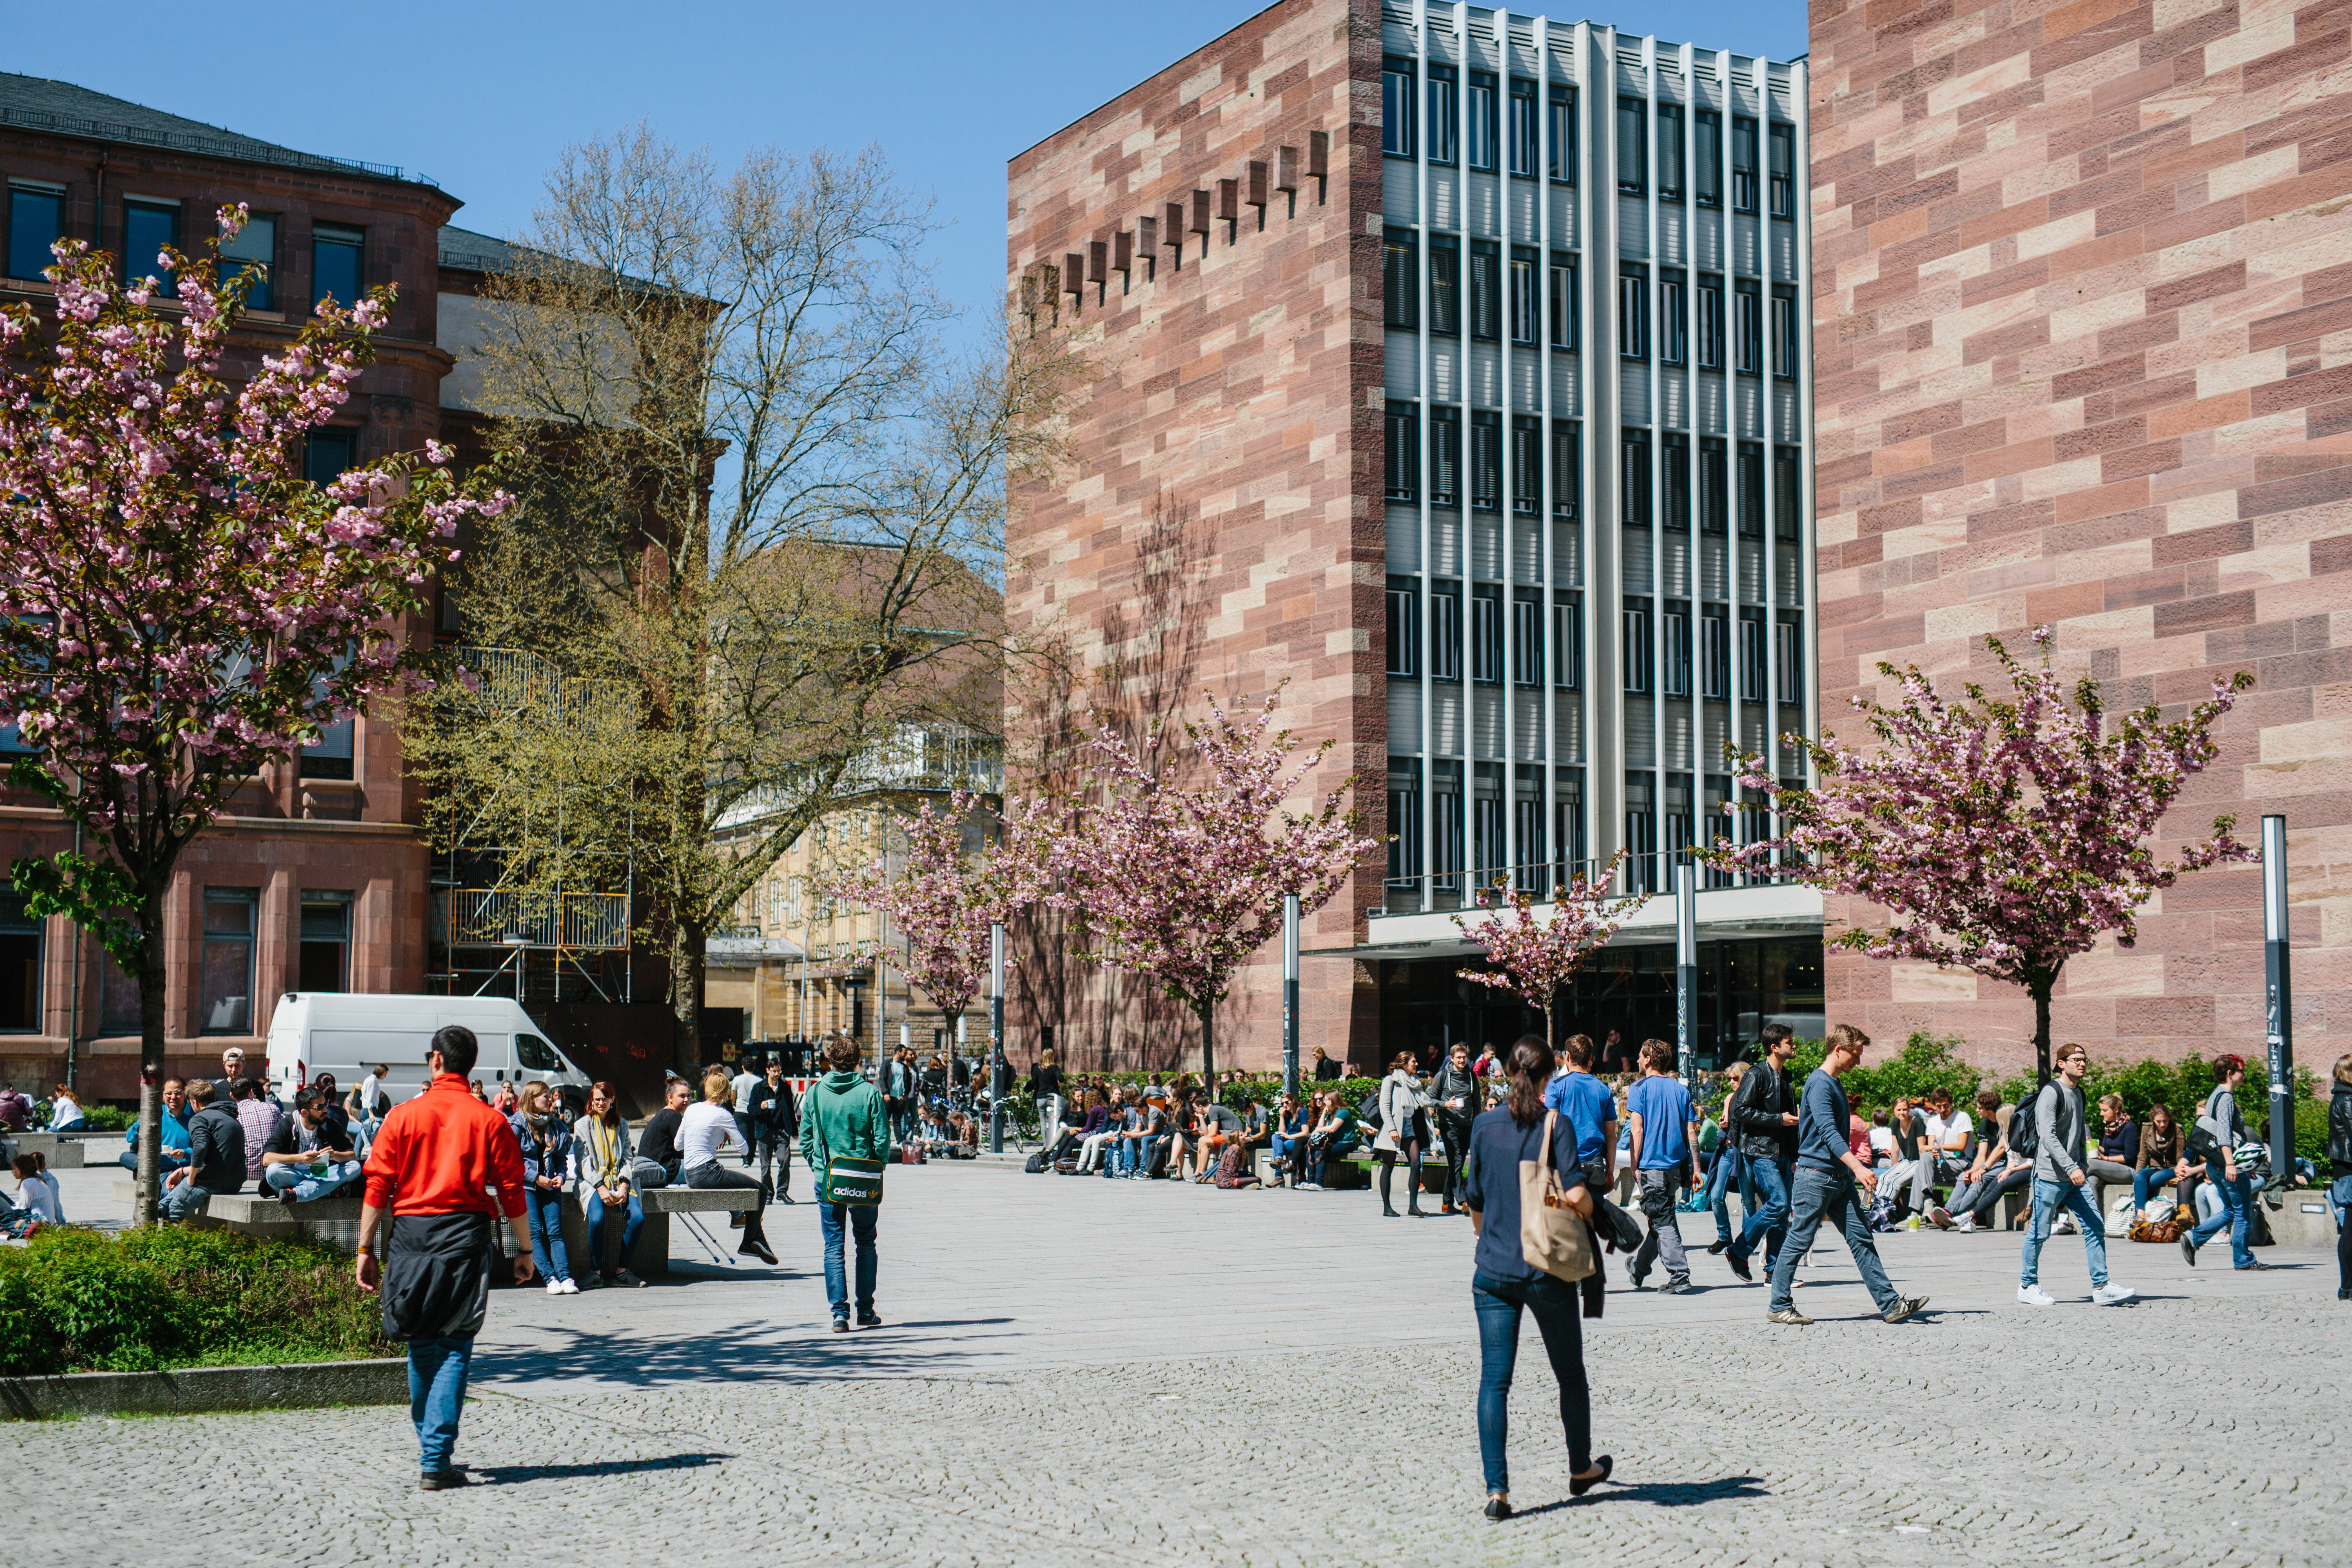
<point>790,1199</point>
<point>2344,1295</point>
<point>1637,1279</point>
<point>1674,1287</point>
<point>868,1321</point>
<point>443,1480</point>
<point>1498,1509</point>
<point>2257,1263</point>
<point>841,1325</point>
<point>1416,1211</point>
<point>1579,1484</point>
<point>286,1197</point>
<point>2189,1251</point>
<point>757,1250</point>
<point>1388,1213</point>
<point>1717,1248</point>
<point>1906,1307</point>
<point>1740,1266</point>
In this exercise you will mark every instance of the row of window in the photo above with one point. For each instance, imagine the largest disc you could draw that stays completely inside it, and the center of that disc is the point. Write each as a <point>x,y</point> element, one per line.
<point>224,981</point>
<point>1496,124</point>
<point>1670,662</point>
<point>36,221</point>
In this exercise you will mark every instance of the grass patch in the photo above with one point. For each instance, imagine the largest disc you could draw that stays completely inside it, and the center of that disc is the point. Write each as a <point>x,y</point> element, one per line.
<point>158,1301</point>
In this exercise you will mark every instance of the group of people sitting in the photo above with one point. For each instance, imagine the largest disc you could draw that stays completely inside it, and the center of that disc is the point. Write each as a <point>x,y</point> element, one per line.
<point>1182,1130</point>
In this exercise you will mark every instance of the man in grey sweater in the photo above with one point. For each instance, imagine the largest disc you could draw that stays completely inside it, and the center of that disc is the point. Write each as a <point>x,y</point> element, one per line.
<point>1830,1182</point>
<point>2059,1174</point>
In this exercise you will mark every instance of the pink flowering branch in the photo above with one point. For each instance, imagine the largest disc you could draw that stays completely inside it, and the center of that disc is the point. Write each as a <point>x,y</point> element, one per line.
<point>178,605</point>
<point>1532,958</point>
<point>2003,834</point>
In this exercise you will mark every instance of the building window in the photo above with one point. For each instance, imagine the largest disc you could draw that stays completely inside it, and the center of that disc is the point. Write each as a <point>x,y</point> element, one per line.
<point>22,935</point>
<point>1445,632</point>
<point>1487,635</point>
<point>1485,291</point>
<point>1526,466</point>
<point>1677,630</point>
<point>1494,856</point>
<point>1561,312</point>
<point>1743,163</point>
<point>1446,847</point>
<point>1674,336</point>
<point>325,961</point>
<point>1713,655</point>
<point>1400,288</point>
<point>118,1001</point>
<point>1567,812</point>
<point>335,269</point>
<point>36,222</point>
<point>1633,478</point>
<point>1526,641</point>
<point>1751,490</point>
<point>1523,297</point>
<point>1486,462</point>
<point>1632,315</point>
<point>1404,627</point>
<point>1567,645</point>
<point>1748,330</point>
<point>1674,481</point>
<point>147,228</point>
<point>1561,109</point>
<point>226,1005</point>
<point>1713,487</point>
<point>1706,173</point>
<point>330,756</point>
<point>1396,109</point>
<point>1784,335</point>
<point>1567,470</point>
<point>1642,835</point>
<point>1790,669</point>
<point>327,452</point>
<point>1444,457</point>
<point>1631,152</point>
<point>1787,491</point>
<point>1782,150</point>
<point>1523,128</point>
<point>1670,153</point>
<point>253,255</point>
<point>1404,821</point>
<point>1444,114</point>
<point>1637,646</point>
<point>1403,452</point>
<point>1752,660</point>
<point>1485,127</point>
<point>1445,287</point>
<point>1526,815</point>
<point>1710,323</point>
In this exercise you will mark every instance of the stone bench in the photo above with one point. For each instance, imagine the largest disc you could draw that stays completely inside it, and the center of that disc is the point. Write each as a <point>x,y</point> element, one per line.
<point>335,1220</point>
<point>650,1258</point>
<point>62,1150</point>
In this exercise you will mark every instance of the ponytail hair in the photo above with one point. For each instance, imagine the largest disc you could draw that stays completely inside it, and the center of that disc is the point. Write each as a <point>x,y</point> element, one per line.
<point>1529,1069</point>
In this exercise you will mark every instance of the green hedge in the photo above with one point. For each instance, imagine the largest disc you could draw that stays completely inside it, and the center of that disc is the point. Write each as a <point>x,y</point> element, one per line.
<point>109,1117</point>
<point>1266,1088</point>
<point>76,1301</point>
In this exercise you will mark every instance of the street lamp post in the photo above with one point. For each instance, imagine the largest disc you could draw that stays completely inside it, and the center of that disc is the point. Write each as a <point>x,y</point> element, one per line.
<point>2279,996</point>
<point>1290,995</point>
<point>996,1037</point>
<point>1686,968</point>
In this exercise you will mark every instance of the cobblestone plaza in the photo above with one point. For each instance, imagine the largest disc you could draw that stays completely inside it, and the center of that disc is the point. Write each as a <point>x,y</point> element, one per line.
<point>1081,1371</point>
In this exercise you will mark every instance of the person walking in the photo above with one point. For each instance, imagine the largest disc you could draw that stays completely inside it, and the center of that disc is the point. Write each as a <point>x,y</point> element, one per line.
<point>1455,1092</point>
<point>546,1145</point>
<point>844,1115</point>
<point>445,1165</point>
<point>1764,1120</point>
<point>1729,1167</point>
<point>1666,1158</point>
<point>1045,1094</point>
<point>2060,1170</point>
<point>745,1084</point>
<point>603,1165</point>
<point>1830,1183</point>
<point>1326,1070</point>
<point>702,1132</point>
<point>1585,1103</point>
<point>776,1123</point>
<point>1520,1131</point>
<point>2339,1164</point>
<point>898,1094</point>
<point>2219,1129</point>
<point>1404,1129</point>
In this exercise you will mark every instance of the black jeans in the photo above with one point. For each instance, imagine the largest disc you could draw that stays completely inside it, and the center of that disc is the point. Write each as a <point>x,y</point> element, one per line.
<point>1456,1132</point>
<point>1554,1304</point>
<point>714,1174</point>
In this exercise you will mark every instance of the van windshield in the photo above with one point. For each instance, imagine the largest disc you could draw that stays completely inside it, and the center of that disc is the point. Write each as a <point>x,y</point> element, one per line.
<point>535,1053</point>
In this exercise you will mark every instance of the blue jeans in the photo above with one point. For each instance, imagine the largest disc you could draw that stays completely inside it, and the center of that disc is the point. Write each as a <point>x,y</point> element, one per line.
<point>1768,1220</point>
<point>436,1393</point>
<point>306,1187</point>
<point>178,1202</point>
<point>857,1220</point>
<point>1729,1167</point>
<point>1836,1196</point>
<point>598,1214</point>
<point>1554,1304</point>
<point>547,1232</point>
<point>2237,1209</point>
<point>2145,1182</point>
<point>2049,1197</point>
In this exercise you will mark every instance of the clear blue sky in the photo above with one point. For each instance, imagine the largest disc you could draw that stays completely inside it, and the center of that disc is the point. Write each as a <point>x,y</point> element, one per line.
<point>482,96</point>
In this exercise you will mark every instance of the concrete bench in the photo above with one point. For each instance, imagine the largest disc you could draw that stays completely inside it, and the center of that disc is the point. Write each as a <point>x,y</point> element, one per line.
<point>335,1220</point>
<point>650,1258</point>
<point>62,1150</point>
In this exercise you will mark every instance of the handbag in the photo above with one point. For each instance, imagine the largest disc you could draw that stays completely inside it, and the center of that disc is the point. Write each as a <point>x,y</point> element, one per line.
<point>849,1179</point>
<point>1553,1238</point>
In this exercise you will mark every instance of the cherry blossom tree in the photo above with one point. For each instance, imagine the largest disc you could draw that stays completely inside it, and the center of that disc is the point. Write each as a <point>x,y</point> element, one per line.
<point>1533,959</point>
<point>178,606</point>
<point>1185,880</point>
<point>2003,834</point>
<point>943,900</point>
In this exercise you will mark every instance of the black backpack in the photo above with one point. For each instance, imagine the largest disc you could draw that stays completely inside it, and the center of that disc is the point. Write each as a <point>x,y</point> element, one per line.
<point>1369,1111</point>
<point>2022,1135</point>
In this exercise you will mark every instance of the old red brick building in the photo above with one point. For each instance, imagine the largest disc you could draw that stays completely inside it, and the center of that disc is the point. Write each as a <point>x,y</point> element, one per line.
<point>2083,359</point>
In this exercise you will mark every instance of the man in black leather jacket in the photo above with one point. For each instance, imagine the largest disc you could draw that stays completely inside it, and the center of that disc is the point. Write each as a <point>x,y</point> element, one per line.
<point>1764,1125</point>
<point>1455,1090</point>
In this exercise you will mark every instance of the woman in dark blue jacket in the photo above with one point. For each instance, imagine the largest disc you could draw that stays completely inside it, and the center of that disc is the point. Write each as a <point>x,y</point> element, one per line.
<point>546,1142</point>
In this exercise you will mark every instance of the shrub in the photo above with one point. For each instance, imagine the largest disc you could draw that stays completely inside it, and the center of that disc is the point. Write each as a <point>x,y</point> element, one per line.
<point>108,1118</point>
<point>73,1300</point>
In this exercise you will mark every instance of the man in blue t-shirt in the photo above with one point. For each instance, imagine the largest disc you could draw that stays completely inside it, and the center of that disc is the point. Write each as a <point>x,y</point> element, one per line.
<point>1585,1103</point>
<point>1665,1156</point>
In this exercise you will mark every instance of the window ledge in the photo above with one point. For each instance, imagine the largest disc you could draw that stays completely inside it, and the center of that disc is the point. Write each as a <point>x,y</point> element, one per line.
<point>333,786</point>
<point>32,285</point>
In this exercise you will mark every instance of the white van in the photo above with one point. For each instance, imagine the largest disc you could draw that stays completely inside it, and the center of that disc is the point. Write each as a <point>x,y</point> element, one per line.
<point>347,1034</point>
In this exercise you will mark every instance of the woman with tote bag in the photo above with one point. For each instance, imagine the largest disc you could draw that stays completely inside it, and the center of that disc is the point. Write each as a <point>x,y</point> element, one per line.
<point>1528,1206</point>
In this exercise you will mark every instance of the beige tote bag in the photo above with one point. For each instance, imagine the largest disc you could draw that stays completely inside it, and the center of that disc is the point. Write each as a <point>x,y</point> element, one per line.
<point>1553,1237</point>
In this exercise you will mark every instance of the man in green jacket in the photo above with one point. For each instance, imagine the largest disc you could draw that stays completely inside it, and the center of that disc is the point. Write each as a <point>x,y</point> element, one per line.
<point>843,1114</point>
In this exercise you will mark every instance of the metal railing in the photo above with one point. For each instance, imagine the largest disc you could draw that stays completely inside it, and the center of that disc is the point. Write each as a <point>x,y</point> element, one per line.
<point>1644,874</point>
<point>488,917</point>
<point>227,145</point>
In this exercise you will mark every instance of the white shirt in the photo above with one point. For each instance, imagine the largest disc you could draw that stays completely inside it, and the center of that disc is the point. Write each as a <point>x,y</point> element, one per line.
<point>1940,1131</point>
<point>702,1132</point>
<point>745,1082</point>
<point>64,1112</point>
<point>39,1193</point>
<point>1882,1141</point>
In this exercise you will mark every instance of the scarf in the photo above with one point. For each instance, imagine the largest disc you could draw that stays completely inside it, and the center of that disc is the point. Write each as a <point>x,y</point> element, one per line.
<point>605,1140</point>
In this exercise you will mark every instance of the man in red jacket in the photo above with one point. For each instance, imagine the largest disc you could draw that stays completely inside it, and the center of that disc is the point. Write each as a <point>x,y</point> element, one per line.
<point>436,1161</point>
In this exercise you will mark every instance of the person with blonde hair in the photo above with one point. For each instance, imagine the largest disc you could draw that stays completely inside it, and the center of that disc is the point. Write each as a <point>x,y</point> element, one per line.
<point>702,1132</point>
<point>1830,1182</point>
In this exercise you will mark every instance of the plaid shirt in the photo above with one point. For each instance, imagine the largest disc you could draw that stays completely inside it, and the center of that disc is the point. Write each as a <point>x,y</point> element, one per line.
<point>259,1118</point>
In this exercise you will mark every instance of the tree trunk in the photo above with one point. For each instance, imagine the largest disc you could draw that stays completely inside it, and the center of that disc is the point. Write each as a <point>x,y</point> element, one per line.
<point>2041,990</point>
<point>686,946</point>
<point>144,1195</point>
<point>1207,1014</point>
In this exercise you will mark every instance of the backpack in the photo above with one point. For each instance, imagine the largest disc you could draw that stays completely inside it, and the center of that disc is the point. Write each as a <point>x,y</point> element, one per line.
<point>2023,1136</point>
<point>2204,1139</point>
<point>1367,1112</point>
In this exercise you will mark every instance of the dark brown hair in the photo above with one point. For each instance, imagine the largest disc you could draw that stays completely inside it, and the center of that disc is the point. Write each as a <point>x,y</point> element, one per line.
<point>1529,1068</point>
<point>1577,1049</point>
<point>1657,1054</point>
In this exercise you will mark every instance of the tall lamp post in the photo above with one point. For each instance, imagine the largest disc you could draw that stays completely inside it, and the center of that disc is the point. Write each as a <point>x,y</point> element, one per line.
<point>2278,996</point>
<point>996,1085</point>
<point>1290,995</point>
<point>1686,968</point>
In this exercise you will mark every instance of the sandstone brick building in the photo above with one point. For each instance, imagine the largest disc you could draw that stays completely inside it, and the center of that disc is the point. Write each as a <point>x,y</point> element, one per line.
<point>2083,359</point>
<point>1450,372</point>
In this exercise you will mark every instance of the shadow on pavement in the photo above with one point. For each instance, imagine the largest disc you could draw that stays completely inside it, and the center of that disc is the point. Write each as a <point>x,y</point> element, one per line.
<point>783,1353</point>
<point>511,1475</point>
<point>1665,1494</point>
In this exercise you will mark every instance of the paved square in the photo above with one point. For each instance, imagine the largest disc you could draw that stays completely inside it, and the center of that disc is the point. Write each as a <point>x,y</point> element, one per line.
<point>1085,1372</point>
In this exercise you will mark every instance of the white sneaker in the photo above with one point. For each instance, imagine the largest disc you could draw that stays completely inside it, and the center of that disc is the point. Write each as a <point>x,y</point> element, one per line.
<point>1967,1226</point>
<point>568,1288</point>
<point>1310,1187</point>
<point>555,1286</point>
<point>2035,1296</point>
<point>2112,1294</point>
<point>2065,1226</point>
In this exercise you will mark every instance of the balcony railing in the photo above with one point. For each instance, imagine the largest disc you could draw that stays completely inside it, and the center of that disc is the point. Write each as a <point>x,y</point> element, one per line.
<point>488,917</point>
<point>1644,874</point>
